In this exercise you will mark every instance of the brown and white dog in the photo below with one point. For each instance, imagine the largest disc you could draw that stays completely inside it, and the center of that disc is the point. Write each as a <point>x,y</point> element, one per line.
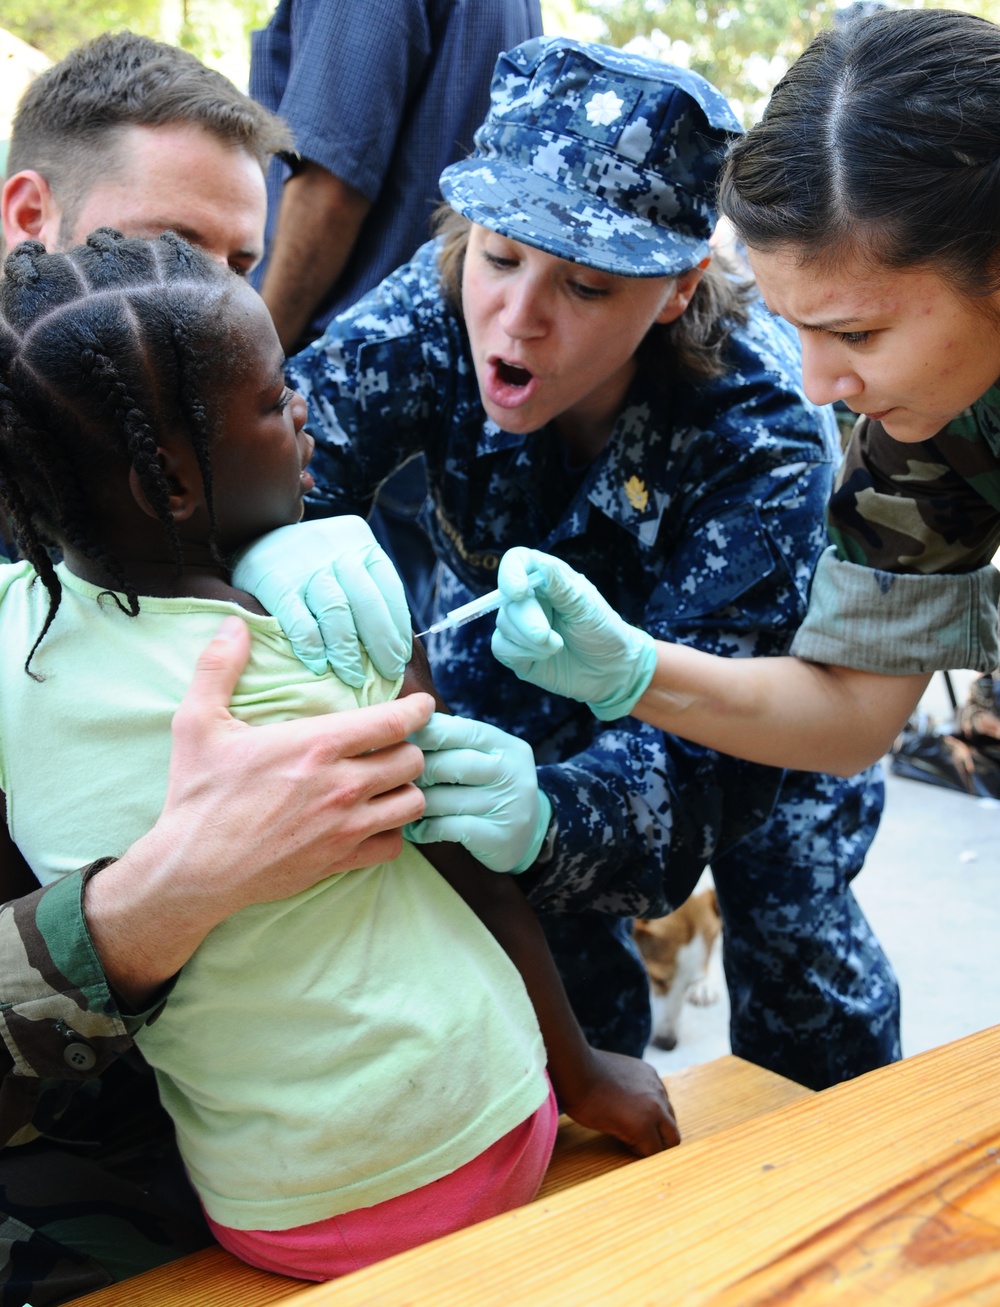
<point>677,950</point>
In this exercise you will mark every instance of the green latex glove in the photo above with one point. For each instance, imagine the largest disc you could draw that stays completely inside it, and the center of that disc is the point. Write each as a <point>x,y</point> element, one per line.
<point>566,638</point>
<point>333,589</point>
<point>482,791</point>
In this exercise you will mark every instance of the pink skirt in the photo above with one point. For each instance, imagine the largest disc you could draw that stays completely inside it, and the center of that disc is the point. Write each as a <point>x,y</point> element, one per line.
<point>506,1175</point>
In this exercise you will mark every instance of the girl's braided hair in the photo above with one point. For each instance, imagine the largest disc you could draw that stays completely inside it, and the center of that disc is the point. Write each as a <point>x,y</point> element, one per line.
<point>104,351</point>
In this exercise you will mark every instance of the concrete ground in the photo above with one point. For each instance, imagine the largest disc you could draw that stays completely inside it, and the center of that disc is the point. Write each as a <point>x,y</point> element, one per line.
<point>931,890</point>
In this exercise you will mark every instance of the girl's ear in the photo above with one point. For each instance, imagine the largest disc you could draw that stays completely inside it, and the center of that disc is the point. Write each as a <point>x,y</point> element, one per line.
<point>180,467</point>
<point>685,285</point>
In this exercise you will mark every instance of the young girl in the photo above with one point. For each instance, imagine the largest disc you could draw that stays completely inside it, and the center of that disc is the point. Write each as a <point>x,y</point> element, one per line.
<point>868,197</point>
<point>354,1069</point>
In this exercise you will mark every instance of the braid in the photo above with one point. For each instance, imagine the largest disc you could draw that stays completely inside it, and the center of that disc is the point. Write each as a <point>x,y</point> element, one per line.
<point>18,515</point>
<point>42,463</point>
<point>192,367</point>
<point>103,357</point>
<point>128,418</point>
<point>109,261</point>
<point>31,541</point>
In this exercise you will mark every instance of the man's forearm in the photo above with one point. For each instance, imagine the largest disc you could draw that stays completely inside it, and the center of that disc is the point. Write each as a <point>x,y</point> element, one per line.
<point>318,224</point>
<point>147,913</point>
<point>252,814</point>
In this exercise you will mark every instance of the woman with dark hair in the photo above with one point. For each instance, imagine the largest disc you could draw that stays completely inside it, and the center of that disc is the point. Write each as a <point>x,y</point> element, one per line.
<point>868,197</point>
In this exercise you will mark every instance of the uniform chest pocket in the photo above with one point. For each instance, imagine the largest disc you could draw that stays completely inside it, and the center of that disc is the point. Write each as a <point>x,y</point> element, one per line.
<point>734,554</point>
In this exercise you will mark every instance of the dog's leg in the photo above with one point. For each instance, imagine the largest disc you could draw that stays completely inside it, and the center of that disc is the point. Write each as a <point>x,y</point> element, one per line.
<point>667,1008</point>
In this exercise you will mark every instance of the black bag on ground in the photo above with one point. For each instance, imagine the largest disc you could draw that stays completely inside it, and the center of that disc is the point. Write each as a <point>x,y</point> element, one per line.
<point>968,759</point>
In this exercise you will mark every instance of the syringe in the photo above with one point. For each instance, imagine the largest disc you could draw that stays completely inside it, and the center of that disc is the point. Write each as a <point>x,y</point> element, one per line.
<point>465,613</point>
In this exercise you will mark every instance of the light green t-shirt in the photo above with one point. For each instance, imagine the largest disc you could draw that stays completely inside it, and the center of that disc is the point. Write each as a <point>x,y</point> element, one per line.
<point>318,1054</point>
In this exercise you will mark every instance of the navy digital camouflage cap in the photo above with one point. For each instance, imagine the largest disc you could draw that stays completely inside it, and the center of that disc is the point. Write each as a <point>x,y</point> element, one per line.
<point>592,154</point>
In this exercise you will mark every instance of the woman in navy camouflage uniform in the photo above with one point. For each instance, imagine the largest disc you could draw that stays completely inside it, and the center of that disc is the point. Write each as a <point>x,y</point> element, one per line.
<point>868,197</point>
<point>579,377</point>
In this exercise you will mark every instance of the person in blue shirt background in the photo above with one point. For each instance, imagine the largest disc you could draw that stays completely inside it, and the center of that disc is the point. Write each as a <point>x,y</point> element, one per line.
<point>379,98</point>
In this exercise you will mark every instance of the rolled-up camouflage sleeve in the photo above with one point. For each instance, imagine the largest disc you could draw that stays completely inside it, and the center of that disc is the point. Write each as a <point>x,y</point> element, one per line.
<point>908,585</point>
<point>898,624</point>
<point>60,1023</point>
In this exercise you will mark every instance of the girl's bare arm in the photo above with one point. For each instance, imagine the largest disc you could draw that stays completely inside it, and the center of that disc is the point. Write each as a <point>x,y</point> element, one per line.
<point>618,1095</point>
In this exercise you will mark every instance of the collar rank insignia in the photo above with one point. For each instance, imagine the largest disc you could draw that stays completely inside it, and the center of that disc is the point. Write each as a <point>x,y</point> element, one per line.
<point>637,494</point>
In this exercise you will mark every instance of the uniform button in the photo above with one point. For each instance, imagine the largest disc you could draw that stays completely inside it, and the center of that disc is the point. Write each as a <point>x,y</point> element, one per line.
<point>81,1057</point>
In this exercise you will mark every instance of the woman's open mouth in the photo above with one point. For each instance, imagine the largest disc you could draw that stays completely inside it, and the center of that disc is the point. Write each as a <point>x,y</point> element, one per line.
<point>508,384</point>
<point>512,374</point>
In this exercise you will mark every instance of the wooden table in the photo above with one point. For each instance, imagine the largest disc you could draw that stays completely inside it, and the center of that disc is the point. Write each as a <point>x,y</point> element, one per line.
<point>707,1098</point>
<point>883,1190</point>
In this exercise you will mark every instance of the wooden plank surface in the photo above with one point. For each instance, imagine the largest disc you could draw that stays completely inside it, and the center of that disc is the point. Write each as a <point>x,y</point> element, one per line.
<point>884,1189</point>
<point>933,1240</point>
<point>706,1098</point>
<point>210,1278</point>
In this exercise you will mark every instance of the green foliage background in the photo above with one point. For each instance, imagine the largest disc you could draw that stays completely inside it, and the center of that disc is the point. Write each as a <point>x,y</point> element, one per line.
<point>743,46</point>
<point>207,27</point>
<point>55,26</point>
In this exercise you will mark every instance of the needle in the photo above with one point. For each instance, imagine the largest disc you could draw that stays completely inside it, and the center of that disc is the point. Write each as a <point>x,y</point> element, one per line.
<point>487,603</point>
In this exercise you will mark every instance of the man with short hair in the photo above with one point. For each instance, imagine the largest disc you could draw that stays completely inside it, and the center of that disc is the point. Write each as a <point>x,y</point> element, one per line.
<point>135,134</point>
